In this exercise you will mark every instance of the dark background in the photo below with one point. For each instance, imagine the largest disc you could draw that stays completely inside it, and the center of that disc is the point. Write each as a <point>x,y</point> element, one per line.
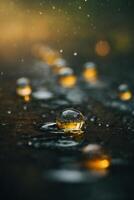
<point>73,26</point>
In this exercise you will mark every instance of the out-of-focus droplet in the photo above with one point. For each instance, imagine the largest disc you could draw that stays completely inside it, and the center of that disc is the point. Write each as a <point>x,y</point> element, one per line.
<point>70,120</point>
<point>47,54</point>
<point>58,65</point>
<point>102,48</point>
<point>124,92</point>
<point>100,163</point>
<point>95,158</point>
<point>90,73</point>
<point>67,78</point>
<point>50,56</point>
<point>23,88</point>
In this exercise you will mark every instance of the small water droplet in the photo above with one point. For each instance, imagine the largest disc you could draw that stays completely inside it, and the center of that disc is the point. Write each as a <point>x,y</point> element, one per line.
<point>92,119</point>
<point>67,78</point>
<point>23,88</point>
<point>90,73</point>
<point>107,125</point>
<point>124,92</point>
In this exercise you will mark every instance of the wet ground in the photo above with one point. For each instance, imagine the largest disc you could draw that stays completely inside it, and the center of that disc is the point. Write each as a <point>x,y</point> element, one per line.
<point>44,163</point>
<point>40,164</point>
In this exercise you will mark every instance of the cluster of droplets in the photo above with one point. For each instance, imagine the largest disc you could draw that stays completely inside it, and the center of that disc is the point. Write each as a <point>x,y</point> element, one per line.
<point>68,129</point>
<point>59,67</point>
<point>65,75</point>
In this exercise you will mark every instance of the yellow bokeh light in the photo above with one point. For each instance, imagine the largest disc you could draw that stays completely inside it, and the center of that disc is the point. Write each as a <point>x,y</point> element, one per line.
<point>90,74</point>
<point>68,81</point>
<point>98,163</point>
<point>26,91</point>
<point>27,98</point>
<point>50,56</point>
<point>125,96</point>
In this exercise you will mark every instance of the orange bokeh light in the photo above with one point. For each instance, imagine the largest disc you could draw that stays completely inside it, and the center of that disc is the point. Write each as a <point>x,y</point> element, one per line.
<point>102,48</point>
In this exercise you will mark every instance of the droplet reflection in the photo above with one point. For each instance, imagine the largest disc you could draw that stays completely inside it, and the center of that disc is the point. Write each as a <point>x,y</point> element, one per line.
<point>23,88</point>
<point>70,120</point>
<point>95,158</point>
<point>124,92</point>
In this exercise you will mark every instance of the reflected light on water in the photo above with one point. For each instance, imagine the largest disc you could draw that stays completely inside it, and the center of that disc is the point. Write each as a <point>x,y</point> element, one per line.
<point>98,164</point>
<point>126,96</point>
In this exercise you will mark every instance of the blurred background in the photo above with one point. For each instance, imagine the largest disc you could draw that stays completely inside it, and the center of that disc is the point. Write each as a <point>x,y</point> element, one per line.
<point>94,29</point>
<point>100,31</point>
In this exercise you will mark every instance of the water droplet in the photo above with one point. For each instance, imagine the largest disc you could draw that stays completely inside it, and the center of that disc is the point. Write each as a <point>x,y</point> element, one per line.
<point>58,65</point>
<point>70,120</point>
<point>90,73</point>
<point>23,88</point>
<point>66,78</point>
<point>49,56</point>
<point>98,163</point>
<point>95,158</point>
<point>45,53</point>
<point>124,92</point>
